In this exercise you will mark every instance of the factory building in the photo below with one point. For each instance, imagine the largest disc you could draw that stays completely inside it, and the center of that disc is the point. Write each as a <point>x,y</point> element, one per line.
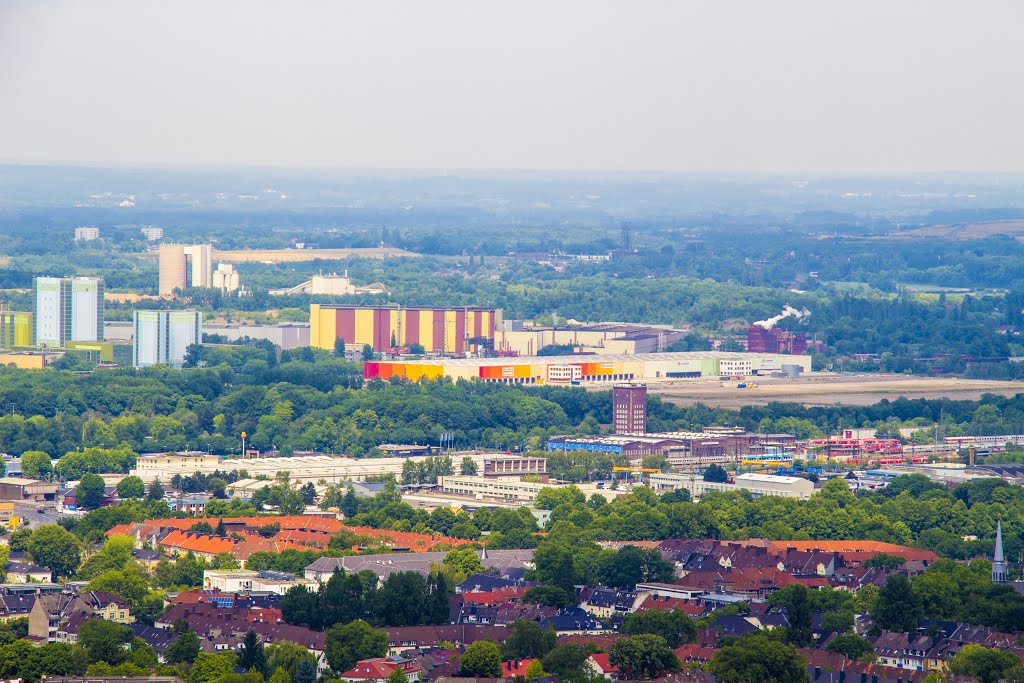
<point>586,368</point>
<point>175,261</point>
<point>758,485</point>
<point>629,409</point>
<point>330,285</point>
<point>514,466</point>
<point>285,335</point>
<point>775,340</point>
<point>164,336</point>
<point>437,330</point>
<point>225,278</point>
<point>15,329</point>
<point>520,337</point>
<point>67,309</point>
<point>681,449</point>
<point>304,468</point>
<point>482,488</point>
<point>109,351</point>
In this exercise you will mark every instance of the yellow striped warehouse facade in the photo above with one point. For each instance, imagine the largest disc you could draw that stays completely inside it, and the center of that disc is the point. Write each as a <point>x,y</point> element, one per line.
<point>15,330</point>
<point>437,330</point>
<point>587,368</point>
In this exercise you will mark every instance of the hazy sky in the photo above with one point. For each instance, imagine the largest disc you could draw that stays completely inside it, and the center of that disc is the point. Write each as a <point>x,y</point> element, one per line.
<point>708,85</point>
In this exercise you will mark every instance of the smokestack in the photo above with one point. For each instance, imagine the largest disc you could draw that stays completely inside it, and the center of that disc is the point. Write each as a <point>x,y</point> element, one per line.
<point>787,312</point>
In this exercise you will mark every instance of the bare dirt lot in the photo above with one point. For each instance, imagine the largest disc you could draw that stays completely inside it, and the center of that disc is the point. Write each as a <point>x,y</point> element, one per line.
<point>296,255</point>
<point>966,231</point>
<point>823,390</point>
<point>127,297</point>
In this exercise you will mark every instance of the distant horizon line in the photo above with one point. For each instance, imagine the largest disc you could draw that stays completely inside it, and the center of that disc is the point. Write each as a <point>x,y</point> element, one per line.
<point>445,171</point>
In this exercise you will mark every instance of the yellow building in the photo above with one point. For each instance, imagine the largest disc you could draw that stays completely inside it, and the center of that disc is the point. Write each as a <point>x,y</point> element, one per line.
<point>27,361</point>
<point>103,351</point>
<point>15,330</point>
<point>112,610</point>
<point>8,520</point>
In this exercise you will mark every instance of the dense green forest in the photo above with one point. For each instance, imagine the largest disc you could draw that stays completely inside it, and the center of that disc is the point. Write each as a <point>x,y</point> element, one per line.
<point>863,290</point>
<point>310,400</point>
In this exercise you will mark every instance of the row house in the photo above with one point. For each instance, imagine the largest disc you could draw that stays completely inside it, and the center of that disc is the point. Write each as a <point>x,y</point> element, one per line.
<point>378,670</point>
<point>607,602</point>
<point>575,620</point>
<point>403,638</point>
<point>828,667</point>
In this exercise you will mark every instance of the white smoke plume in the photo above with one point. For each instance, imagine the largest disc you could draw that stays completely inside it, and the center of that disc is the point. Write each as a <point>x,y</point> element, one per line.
<point>787,312</point>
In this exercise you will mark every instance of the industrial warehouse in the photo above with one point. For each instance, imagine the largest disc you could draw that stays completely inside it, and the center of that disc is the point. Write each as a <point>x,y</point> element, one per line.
<point>383,328</point>
<point>595,368</point>
<point>681,449</point>
<point>757,485</point>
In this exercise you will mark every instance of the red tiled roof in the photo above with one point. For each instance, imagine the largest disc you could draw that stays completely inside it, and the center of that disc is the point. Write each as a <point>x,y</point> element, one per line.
<point>315,539</point>
<point>603,661</point>
<point>262,545</point>
<point>852,547</point>
<point>215,545</point>
<point>378,668</point>
<point>298,531</point>
<point>602,641</point>
<point>516,667</point>
<point>271,615</point>
<point>812,581</point>
<point>694,653</point>
<point>189,597</point>
<point>199,543</point>
<point>500,596</point>
<point>419,543</point>
<point>658,602</point>
<point>371,668</point>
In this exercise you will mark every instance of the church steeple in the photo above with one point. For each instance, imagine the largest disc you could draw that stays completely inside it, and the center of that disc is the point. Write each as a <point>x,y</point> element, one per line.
<point>999,570</point>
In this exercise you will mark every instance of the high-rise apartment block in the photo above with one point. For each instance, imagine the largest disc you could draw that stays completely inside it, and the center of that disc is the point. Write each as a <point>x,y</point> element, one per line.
<point>153,234</point>
<point>629,408</point>
<point>67,309</point>
<point>175,262</point>
<point>86,234</point>
<point>164,336</point>
<point>15,329</point>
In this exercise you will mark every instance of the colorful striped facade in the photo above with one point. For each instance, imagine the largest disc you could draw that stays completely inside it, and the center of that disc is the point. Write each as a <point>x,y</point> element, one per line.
<point>586,368</point>
<point>437,330</point>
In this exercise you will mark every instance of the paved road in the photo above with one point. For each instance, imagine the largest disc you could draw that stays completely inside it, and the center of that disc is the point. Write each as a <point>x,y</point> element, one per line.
<point>28,511</point>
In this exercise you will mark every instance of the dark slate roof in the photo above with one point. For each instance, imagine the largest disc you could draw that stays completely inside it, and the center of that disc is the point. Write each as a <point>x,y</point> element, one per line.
<point>733,625</point>
<point>147,555</point>
<point>157,638</point>
<point>574,619</point>
<point>24,567</point>
<point>485,582</point>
